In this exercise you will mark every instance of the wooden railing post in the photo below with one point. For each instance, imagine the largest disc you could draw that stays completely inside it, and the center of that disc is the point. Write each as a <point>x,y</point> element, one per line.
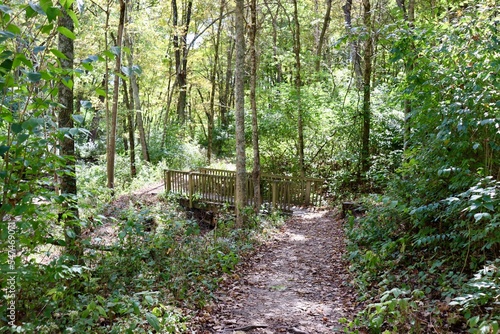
<point>168,181</point>
<point>190,188</point>
<point>274,194</point>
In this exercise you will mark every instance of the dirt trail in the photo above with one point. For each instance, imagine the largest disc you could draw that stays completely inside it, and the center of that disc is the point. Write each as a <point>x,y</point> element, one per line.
<point>294,284</point>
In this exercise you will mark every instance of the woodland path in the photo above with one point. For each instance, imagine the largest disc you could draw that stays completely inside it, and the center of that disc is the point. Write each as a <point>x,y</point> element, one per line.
<point>295,283</point>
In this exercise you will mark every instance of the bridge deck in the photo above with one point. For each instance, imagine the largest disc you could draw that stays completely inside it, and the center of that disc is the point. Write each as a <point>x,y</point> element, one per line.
<point>217,186</point>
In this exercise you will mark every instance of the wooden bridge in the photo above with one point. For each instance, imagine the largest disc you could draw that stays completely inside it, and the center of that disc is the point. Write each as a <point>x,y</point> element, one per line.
<point>210,188</point>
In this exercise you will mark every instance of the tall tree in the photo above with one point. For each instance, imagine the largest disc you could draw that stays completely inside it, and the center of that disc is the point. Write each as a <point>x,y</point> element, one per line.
<point>213,82</point>
<point>65,120</point>
<point>322,36</point>
<point>181,55</point>
<point>239,92</point>
<point>298,84</point>
<point>111,149</point>
<point>253,103</point>
<point>353,44</point>
<point>409,17</point>
<point>367,72</point>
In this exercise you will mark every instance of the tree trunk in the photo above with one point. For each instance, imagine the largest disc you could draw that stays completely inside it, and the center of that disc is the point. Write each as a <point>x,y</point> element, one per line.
<point>239,92</point>
<point>181,53</point>
<point>279,72</point>
<point>111,149</point>
<point>68,180</point>
<point>298,84</point>
<point>253,103</point>
<point>130,127</point>
<point>353,45</point>
<point>409,16</point>
<point>224,98</point>
<point>213,75</point>
<point>321,41</point>
<point>367,58</point>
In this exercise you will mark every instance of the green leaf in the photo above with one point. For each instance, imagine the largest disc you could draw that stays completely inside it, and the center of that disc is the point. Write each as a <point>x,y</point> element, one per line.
<point>153,321</point>
<point>115,50</point>
<point>100,92</point>
<point>58,54</point>
<point>47,29</point>
<point>66,32</point>
<point>5,9</point>
<point>34,76</point>
<point>14,29</point>
<point>21,58</point>
<point>3,150</point>
<point>70,233</point>
<point>479,216</point>
<point>35,8</point>
<point>78,119</point>
<point>5,35</point>
<point>16,128</point>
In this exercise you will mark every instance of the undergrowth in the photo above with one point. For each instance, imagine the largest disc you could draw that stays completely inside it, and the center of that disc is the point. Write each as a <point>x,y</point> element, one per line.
<point>157,267</point>
<point>428,268</point>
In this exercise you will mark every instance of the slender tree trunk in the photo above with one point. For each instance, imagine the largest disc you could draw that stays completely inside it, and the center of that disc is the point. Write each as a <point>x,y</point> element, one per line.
<point>225,97</point>
<point>279,72</point>
<point>298,84</point>
<point>253,103</point>
<point>367,58</point>
<point>213,75</point>
<point>130,127</point>
<point>353,45</point>
<point>239,92</point>
<point>321,41</point>
<point>68,180</point>
<point>409,16</point>
<point>111,152</point>
<point>181,53</point>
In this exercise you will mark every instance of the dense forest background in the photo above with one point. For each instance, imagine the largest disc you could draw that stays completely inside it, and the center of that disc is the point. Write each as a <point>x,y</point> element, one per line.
<point>395,103</point>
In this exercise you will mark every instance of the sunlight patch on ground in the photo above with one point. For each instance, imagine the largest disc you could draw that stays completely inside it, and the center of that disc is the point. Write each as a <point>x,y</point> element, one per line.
<point>297,237</point>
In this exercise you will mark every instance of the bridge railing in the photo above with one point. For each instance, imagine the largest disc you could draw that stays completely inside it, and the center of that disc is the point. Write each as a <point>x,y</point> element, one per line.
<point>218,186</point>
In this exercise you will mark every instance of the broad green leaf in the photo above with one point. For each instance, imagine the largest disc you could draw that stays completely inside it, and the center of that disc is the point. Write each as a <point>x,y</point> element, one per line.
<point>153,321</point>
<point>21,58</point>
<point>14,29</point>
<point>66,32</point>
<point>70,233</point>
<point>47,29</point>
<point>115,50</point>
<point>5,9</point>
<point>100,92</point>
<point>34,76</point>
<point>16,128</point>
<point>38,49</point>
<point>78,119</point>
<point>5,35</point>
<point>58,54</point>
<point>3,150</point>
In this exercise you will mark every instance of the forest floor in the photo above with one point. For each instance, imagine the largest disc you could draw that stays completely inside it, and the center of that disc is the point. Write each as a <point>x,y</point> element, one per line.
<point>297,282</point>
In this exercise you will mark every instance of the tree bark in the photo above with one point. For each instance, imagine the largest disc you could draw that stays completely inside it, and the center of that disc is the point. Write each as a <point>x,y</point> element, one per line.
<point>321,41</point>
<point>68,180</point>
<point>353,45</point>
<point>213,75</point>
<point>409,17</point>
<point>111,149</point>
<point>181,53</point>
<point>130,127</point>
<point>367,59</point>
<point>298,84</point>
<point>241,175</point>
<point>253,103</point>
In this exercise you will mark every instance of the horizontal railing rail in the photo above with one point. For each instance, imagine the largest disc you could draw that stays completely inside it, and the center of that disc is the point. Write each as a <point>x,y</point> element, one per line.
<point>217,186</point>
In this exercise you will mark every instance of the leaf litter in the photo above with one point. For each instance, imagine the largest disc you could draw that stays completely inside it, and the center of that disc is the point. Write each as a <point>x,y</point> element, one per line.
<point>297,282</point>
